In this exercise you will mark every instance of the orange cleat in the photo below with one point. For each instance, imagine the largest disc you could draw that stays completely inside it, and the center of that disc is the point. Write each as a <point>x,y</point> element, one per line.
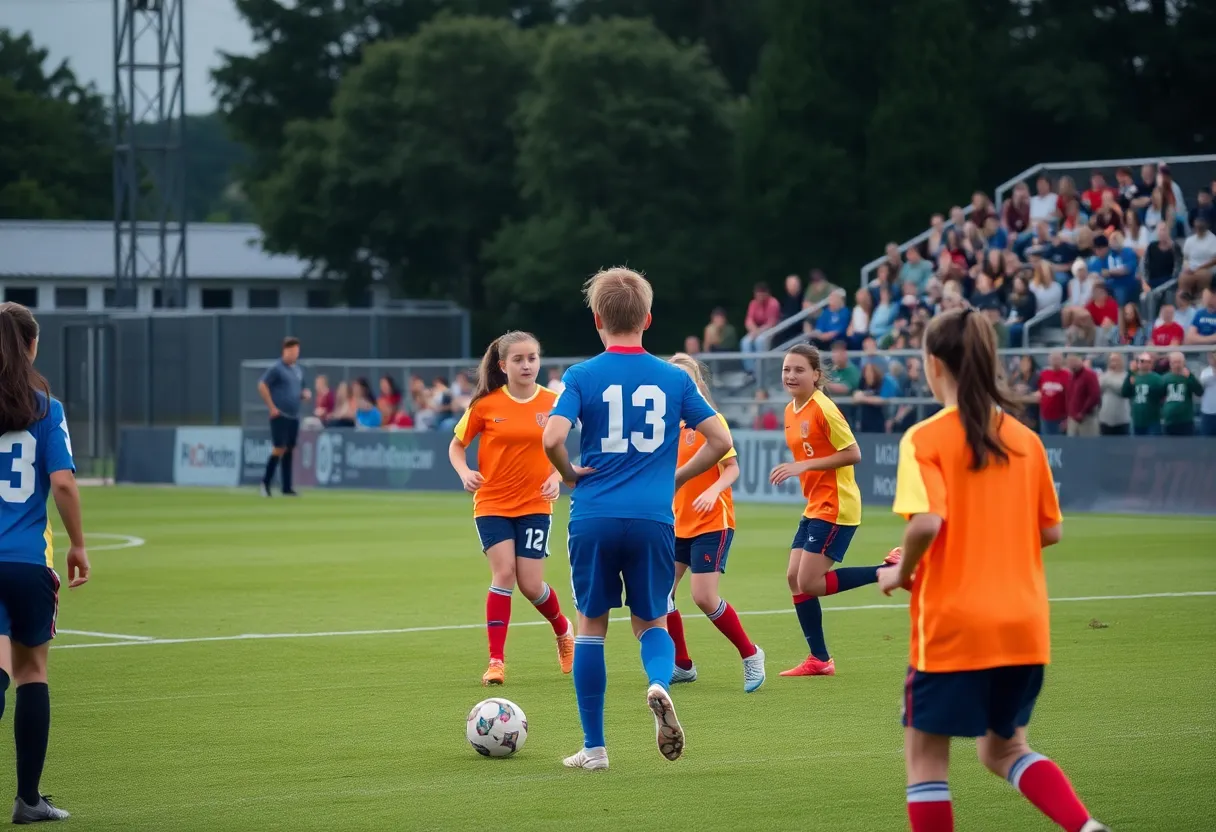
<point>496,673</point>
<point>894,556</point>
<point>812,667</point>
<point>565,650</point>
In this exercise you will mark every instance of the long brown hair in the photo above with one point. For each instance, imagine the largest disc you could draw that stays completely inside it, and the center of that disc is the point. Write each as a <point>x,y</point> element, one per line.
<point>811,354</point>
<point>965,342</point>
<point>490,376</point>
<point>20,383</point>
<point>698,371</point>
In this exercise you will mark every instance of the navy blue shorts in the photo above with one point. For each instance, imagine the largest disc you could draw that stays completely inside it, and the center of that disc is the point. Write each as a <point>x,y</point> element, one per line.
<point>609,555</point>
<point>530,533</point>
<point>283,431</point>
<point>29,602</point>
<point>705,552</point>
<point>970,703</point>
<point>821,537</point>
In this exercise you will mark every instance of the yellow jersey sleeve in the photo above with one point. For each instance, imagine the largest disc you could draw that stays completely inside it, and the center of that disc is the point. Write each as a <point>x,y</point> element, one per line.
<point>919,485</point>
<point>839,432</point>
<point>470,424</point>
<point>731,453</point>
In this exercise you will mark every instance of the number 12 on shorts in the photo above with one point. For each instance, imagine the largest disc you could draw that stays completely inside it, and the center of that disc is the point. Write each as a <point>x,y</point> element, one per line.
<point>648,396</point>
<point>534,539</point>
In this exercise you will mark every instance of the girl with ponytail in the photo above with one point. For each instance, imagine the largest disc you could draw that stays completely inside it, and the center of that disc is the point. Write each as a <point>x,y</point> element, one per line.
<point>513,489</point>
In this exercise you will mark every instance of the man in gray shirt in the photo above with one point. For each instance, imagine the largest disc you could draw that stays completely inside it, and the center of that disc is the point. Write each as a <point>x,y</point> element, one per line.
<point>282,388</point>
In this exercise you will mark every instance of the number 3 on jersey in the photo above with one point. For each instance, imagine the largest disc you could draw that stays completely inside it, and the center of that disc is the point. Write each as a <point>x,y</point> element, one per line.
<point>647,396</point>
<point>18,485</point>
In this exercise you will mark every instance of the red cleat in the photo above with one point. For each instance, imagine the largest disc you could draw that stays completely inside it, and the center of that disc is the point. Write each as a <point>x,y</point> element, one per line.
<point>894,556</point>
<point>812,667</point>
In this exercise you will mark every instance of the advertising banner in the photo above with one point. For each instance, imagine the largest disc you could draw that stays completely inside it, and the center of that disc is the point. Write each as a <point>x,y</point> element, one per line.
<point>207,456</point>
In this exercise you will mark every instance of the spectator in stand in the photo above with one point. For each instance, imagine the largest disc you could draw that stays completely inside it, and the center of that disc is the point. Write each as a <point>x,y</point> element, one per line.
<point>1162,261</point>
<point>1145,187</point>
<point>843,376</point>
<point>1204,209</point>
<point>893,259</point>
<point>833,322</point>
<point>871,394</point>
<point>1120,269</point>
<point>720,335</point>
<point>1044,205</point>
<point>692,345</point>
<point>1108,217</point>
<point>819,288</point>
<point>948,268</point>
<point>1203,327</point>
<point>1021,309</point>
<point>1128,189</point>
<point>389,399</point>
<point>343,413</point>
<point>933,296</point>
<point>913,386</point>
<point>764,418</point>
<point>1185,312</point>
<point>1048,293</point>
<point>1075,314</point>
<point>425,415</point>
<point>1160,212</point>
<point>909,302</point>
<point>958,219</point>
<point>981,208</point>
<point>791,305</point>
<point>937,236</point>
<point>958,254</point>
<point>1178,409</point>
<point>995,317</point>
<point>993,235</point>
<point>870,354</point>
<point>885,313</point>
<point>763,312</point>
<point>1084,396</point>
<point>1135,234</point>
<point>1146,390</point>
<point>1052,395</point>
<point>555,382</point>
<point>1065,194</point>
<point>1024,382</point>
<point>995,270</point>
<point>1173,193</point>
<point>859,321</point>
<point>1198,259</point>
<point>1168,332</point>
<point>1207,407</point>
<point>1104,313</point>
<point>986,295</point>
<point>367,415</point>
<point>401,419</point>
<point>1097,192</point>
<point>882,277</point>
<point>1072,223</point>
<point>324,398</point>
<point>1115,414</point>
<point>916,270</point>
<point>1015,216</point>
<point>1132,331</point>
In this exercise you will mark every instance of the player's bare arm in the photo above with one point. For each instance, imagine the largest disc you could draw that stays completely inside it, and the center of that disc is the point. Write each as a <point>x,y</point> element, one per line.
<point>708,499</point>
<point>1051,535</point>
<point>718,443</point>
<point>557,430</point>
<point>67,501</point>
<point>470,479</point>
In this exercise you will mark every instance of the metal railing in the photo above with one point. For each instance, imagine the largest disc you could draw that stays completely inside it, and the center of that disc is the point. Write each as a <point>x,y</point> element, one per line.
<point>765,336</point>
<point>1036,319</point>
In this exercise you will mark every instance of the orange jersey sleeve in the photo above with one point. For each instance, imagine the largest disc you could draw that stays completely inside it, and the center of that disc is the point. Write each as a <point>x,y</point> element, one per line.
<point>819,429</point>
<point>979,595</point>
<point>689,521</point>
<point>510,456</point>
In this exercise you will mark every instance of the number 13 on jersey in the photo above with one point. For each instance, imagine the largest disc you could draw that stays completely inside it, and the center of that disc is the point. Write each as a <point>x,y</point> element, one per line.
<point>647,396</point>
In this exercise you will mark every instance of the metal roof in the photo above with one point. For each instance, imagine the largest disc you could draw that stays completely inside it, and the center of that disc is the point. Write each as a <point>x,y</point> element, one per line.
<point>85,249</point>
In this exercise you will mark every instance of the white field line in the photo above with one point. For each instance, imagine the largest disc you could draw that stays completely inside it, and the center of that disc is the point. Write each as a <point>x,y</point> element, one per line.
<point>121,541</point>
<point>118,636</point>
<point>478,626</point>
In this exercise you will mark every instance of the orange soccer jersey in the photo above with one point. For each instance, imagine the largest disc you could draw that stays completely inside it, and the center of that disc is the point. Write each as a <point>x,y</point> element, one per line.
<point>510,456</point>
<point>819,429</point>
<point>689,521</point>
<point>979,596</point>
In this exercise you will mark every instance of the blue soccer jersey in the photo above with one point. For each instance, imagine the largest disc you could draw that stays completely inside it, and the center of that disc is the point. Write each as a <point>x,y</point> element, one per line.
<point>631,405</point>
<point>27,460</point>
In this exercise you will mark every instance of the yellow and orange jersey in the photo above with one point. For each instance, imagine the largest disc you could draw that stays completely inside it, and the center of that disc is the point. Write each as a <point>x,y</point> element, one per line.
<point>510,456</point>
<point>819,429</point>
<point>979,596</point>
<point>689,521</point>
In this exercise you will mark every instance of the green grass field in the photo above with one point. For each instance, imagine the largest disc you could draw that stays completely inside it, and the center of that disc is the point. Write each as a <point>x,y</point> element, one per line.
<point>203,729</point>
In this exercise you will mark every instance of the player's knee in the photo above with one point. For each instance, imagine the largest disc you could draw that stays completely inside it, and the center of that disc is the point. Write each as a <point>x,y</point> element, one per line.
<point>811,585</point>
<point>791,578</point>
<point>999,757</point>
<point>530,586</point>
<point>705,599</point>
<point>504,577</point>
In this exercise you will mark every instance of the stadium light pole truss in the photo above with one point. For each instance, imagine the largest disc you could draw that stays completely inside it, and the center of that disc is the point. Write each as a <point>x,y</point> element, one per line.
<point>149,134</point>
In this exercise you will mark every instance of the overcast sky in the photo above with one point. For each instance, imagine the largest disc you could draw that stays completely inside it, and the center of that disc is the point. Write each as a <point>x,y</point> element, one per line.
<point>81,31</point>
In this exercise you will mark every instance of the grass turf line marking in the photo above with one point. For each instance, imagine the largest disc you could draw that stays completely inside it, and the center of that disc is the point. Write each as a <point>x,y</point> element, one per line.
<point>122,541</point>
<point>118,636</point>
<point>480,625</point>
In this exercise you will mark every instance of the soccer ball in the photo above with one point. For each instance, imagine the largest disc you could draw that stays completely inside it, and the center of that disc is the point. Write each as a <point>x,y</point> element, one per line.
<point>496,728</point>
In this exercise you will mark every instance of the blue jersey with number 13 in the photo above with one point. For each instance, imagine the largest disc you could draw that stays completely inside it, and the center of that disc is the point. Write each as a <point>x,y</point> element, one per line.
<point>27,460</point>
<point>631,405</point>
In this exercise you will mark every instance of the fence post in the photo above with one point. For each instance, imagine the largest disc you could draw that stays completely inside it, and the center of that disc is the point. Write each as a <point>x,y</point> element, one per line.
<point>373,336</point>
<point>148,352</point>
<point>217,351</point>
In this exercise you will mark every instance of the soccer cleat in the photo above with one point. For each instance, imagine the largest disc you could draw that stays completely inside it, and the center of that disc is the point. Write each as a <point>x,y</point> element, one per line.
<point>496,673</point>
<point>1093,826</point>
<point>680,675</point>
<point>667,731</point>
<point>265,490</point>
<point>753,671</point>
<point>812,667</point>
<point>565,650</point>
<point>894,556</point>
<point>291,493</point>
<point>590,759</point>
<point>43,810</point>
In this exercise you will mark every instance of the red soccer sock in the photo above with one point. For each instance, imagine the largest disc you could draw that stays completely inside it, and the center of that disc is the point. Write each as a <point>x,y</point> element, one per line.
<point>1046,786</point>
<point>675,629</point>
<point>549,607</point>
<point>929,807</point>
<point>498,616</point>
<point>727,621</point>
<point>831,583</point>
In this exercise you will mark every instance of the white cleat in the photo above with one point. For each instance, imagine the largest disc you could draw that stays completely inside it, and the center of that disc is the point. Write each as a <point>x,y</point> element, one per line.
<point>680,675</point>
<point>1093,826</point>
<point>591,759</point>
<point>43,810</point>
<point>753,671</point>
<point>668,733</point>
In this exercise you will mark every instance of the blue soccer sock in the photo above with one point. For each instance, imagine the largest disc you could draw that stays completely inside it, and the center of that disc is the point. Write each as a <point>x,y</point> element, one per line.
<point>658,656</point>
<point>810,618</point>
<point>3,690</point>
<point>590,683</point>
<point>849,577</point>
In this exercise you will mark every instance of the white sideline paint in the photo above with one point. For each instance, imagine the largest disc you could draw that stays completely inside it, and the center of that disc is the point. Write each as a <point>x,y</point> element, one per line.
<point>118,636</point>
<point>121,541</point>
<point>480,625</point>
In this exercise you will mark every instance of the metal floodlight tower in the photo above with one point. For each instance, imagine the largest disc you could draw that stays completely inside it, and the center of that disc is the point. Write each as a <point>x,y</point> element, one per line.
<point>149,149</point>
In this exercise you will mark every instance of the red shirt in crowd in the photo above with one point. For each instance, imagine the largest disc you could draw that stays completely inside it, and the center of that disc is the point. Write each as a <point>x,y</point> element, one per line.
<point>764,313</point>
<point>1167,335</point>
<point>766,421</point>
<point>1083,395</point>
<point>1053,389</point>
<point>1093,199</point>
<point>1107,313</point>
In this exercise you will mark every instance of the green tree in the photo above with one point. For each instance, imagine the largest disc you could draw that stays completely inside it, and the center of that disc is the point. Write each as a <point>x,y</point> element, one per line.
<point>55,155</point>
<point>624,152</point>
